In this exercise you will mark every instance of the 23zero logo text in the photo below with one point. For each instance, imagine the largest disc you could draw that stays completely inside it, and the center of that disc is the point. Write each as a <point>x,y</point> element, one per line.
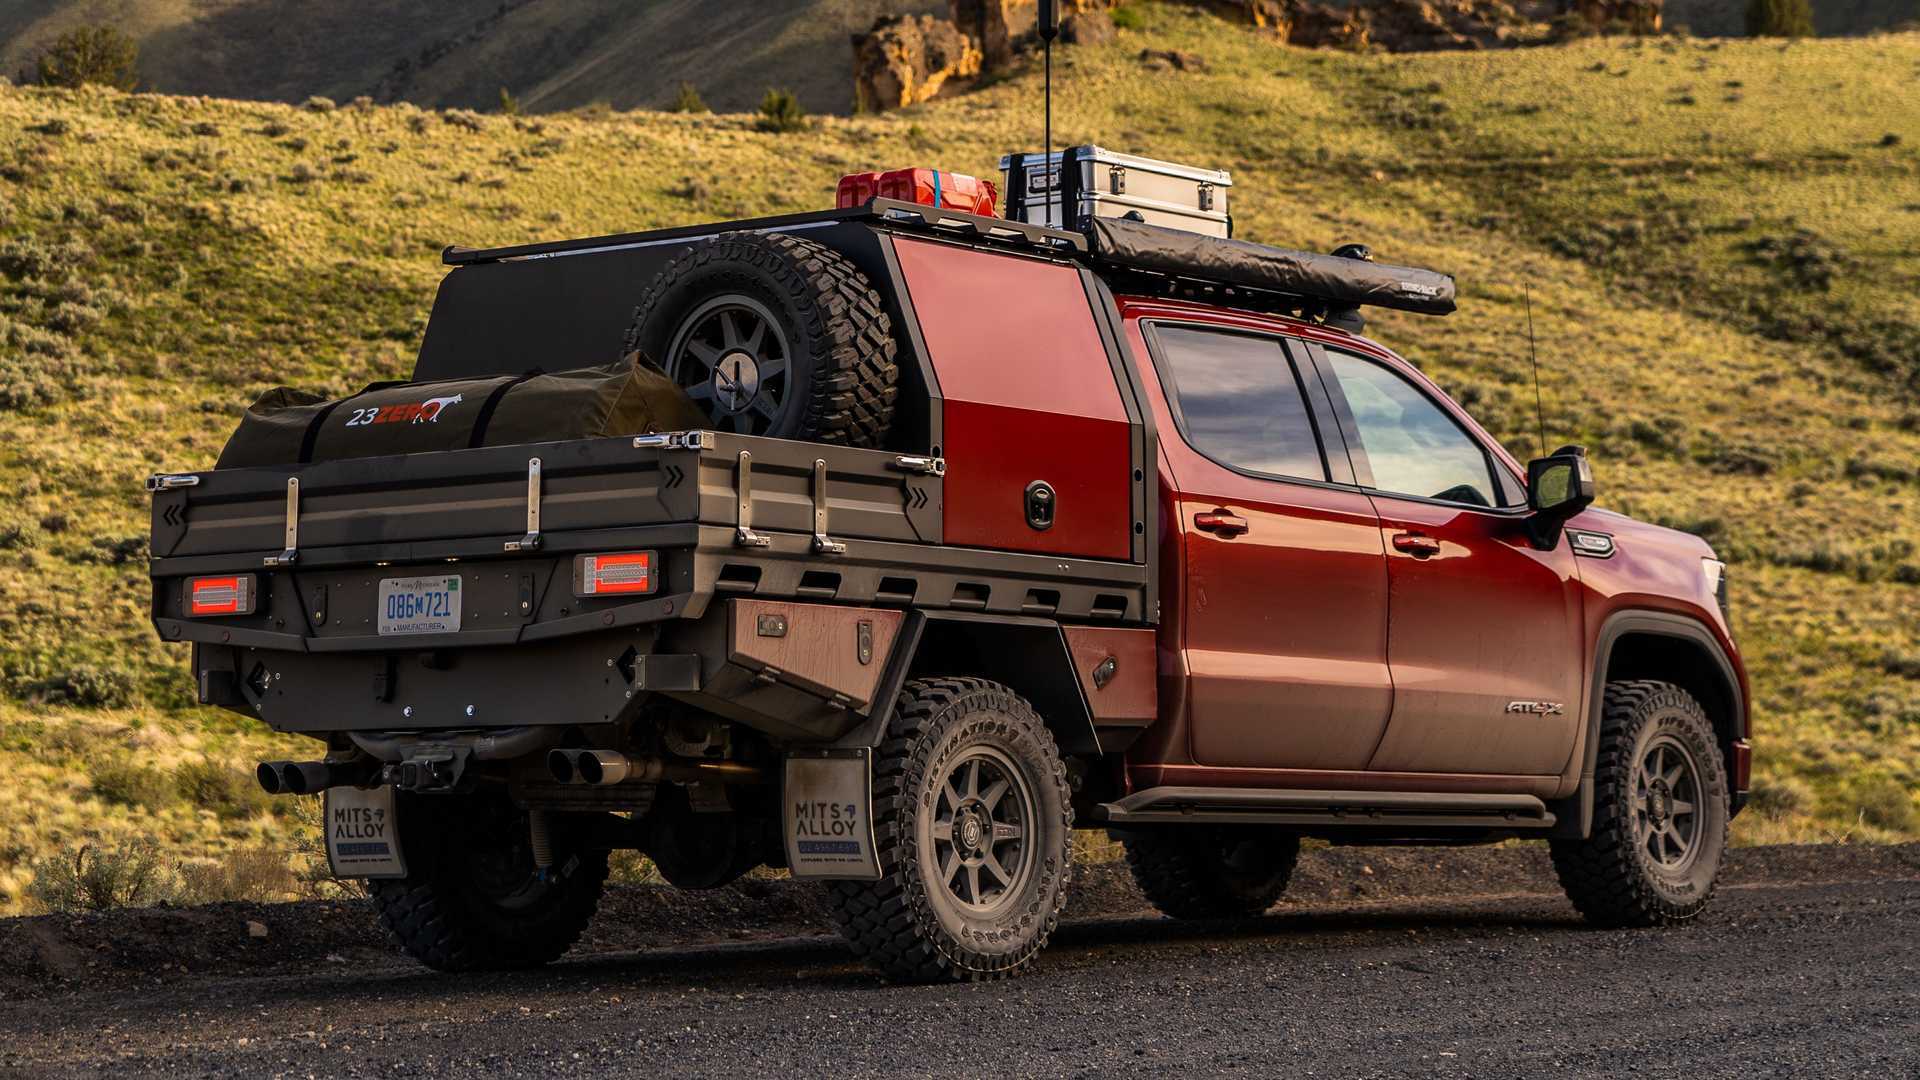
<point>416,412</point>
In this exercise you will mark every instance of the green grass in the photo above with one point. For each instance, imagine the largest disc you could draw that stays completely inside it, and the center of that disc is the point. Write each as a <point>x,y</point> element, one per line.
<point>163,260</point>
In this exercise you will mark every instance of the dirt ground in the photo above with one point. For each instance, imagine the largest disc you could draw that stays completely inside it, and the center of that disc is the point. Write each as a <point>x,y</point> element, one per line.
<point>1379,962</point>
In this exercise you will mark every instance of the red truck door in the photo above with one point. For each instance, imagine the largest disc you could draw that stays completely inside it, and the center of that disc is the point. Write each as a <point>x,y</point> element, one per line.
<point>1484,631</point>
<point>1282,617</point>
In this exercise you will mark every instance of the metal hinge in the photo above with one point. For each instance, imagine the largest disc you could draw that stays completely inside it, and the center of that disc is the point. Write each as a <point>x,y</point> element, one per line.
<point>743,533</point>
<point>821,541</point>
<point>675,440</point>
<point>928,466</point>
<point>292,541</point>
<point>170,481</point>
<point>531,541</point>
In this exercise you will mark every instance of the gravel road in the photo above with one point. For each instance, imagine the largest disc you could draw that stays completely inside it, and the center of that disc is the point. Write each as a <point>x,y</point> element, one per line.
<point>1388,964</point>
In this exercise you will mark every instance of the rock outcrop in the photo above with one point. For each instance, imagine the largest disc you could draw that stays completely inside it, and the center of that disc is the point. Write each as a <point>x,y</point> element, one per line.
<point>1000,27</point>
<point>906,59</point>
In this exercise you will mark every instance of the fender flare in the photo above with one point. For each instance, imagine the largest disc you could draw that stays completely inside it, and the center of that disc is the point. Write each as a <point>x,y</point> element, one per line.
<point>1576,811</point>
<point>1027,653</point>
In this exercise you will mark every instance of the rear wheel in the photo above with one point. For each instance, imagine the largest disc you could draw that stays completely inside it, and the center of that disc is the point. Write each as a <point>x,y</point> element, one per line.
<point>973,825</point>
<point>472,899</point>
<point>773,335</point>
<point>1659,812</point>
<point>1211,872</point>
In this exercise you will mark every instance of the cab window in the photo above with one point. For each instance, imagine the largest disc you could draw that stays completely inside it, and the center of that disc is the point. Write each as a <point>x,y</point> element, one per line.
<point>1413,446</point>
<point>1238,400</point>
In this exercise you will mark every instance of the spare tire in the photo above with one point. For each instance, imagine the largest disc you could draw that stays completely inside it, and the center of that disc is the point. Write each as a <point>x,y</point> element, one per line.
<point>773,335</point>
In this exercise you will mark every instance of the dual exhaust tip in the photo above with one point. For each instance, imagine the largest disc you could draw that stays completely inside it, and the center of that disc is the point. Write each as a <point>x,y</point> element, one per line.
<point>308,777</point>
<point>596,767</point>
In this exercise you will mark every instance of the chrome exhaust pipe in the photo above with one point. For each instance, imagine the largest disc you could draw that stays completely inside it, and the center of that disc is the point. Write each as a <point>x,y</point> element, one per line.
<point>311,777</point>
<point>597,767</point>
<point>602,768</point>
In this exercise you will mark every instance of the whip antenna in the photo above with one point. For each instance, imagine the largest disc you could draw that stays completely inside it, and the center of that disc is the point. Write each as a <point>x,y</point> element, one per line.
<point>1539,410</point>
<point>1049,29</point>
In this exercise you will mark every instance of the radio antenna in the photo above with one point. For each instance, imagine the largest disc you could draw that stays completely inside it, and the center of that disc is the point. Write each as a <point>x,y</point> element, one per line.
<point>1049,29</point>
<point>1539,410</point>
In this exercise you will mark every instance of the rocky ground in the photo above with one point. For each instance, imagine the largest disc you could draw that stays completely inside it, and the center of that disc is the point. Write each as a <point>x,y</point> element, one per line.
<point>1379,963</point>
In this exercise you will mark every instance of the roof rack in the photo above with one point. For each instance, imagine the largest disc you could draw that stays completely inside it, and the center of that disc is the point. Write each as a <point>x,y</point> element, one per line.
<point>1145,257</point>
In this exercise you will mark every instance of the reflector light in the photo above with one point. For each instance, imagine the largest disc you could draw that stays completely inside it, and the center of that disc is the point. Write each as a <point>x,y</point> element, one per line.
<point>229,595</point>
<point>625,574</point>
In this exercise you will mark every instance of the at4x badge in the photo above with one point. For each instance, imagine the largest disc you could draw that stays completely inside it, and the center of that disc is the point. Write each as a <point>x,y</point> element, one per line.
<point>1537,708</point>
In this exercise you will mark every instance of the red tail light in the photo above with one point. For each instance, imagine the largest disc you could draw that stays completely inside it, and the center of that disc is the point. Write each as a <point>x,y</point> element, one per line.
<point>628,573</point>
<point>230,595</point>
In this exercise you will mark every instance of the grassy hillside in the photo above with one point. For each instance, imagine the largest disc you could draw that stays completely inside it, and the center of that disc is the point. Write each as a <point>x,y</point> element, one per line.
<point>1722,243</point>
<point>552,54</point>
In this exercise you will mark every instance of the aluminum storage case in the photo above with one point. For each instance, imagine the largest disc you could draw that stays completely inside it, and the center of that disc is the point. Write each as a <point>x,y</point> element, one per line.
<point>1097,182</point>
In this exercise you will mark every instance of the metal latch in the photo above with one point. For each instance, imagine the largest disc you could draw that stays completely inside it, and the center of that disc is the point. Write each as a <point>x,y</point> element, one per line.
<point>531,541</point>
<point>170,481</point>
<point>675,440</point>
<point>1117,179</point>
<point>1206,196</point>
<point>292,549</point>
<point>743,533</point>
<point>926,466</point>
<point>821,541</point>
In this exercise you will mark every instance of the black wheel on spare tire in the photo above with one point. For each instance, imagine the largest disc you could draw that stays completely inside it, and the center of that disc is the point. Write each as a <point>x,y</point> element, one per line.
<point>472,899</point>
<point>973,827</point>
<point>773,335</point>
<point>1660,812</point>
<point>1211,872</point>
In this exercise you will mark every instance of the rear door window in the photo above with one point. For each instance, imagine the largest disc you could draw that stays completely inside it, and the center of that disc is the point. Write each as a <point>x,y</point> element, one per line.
<point>1238,400</point>
<point>1413,446</point>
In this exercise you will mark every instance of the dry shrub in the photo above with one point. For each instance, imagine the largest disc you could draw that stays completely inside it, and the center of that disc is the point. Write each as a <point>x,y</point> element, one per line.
<point>100,879</point>
<point>126,783</point>
<point>226,791</point>
<point>258,875</point>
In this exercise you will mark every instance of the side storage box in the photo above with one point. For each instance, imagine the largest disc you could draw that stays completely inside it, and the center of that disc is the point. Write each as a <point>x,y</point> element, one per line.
<point>1039,442</point>
<point>1091,181</point>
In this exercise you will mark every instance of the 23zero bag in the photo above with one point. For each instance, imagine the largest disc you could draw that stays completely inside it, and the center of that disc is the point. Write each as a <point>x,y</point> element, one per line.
<point>289,427</point>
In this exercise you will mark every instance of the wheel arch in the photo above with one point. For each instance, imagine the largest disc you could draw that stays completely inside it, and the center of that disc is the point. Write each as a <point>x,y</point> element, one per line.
<point>1672,648</point>
<point>1027,655</point>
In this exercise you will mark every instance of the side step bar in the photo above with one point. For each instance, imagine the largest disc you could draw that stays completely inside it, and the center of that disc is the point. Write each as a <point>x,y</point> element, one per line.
<point>1268,806</point>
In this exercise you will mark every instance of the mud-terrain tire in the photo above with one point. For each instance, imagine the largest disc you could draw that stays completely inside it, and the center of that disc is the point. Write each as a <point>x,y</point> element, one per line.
<point>1660,812</point>
<point>1211,872</point>
<point>773,335</point>
<point>471,900</point>
<point>967,779</point>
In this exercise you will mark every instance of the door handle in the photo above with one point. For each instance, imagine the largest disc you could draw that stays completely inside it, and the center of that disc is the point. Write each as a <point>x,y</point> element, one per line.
<point>1416,545</point>
<point>1220,522</point>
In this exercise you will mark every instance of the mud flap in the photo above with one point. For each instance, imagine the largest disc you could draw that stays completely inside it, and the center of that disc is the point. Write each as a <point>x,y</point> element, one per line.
<point>827,813</point>
<point>363,833</point>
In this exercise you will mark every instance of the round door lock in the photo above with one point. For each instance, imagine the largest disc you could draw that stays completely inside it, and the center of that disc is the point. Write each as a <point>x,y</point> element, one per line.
<point>1042,505</point>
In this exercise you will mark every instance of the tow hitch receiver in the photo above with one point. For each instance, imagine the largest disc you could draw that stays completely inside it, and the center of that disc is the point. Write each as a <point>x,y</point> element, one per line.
<point>827,811</point>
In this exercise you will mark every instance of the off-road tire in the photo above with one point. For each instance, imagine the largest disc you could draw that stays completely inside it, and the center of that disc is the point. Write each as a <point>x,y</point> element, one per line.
<point>1611,876</point>
<point>909,924</point>
<point>443,915</point>
<point>843,375</point>
<point>1211,872</point>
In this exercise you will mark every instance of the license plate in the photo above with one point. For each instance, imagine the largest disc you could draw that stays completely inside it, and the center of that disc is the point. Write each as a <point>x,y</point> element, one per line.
<point>420,605</point>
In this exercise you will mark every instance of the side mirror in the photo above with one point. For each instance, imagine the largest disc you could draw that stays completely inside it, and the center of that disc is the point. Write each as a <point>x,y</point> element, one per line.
<point>1559,486</point>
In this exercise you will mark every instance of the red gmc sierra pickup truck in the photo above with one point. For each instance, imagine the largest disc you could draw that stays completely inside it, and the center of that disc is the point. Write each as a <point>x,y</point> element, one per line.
<point>997,531</point>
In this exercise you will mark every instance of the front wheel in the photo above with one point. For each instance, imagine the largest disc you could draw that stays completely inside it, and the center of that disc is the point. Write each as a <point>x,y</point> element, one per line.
<point>973,827</point>
<point>1660,812</point>
<point>473,899</point>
